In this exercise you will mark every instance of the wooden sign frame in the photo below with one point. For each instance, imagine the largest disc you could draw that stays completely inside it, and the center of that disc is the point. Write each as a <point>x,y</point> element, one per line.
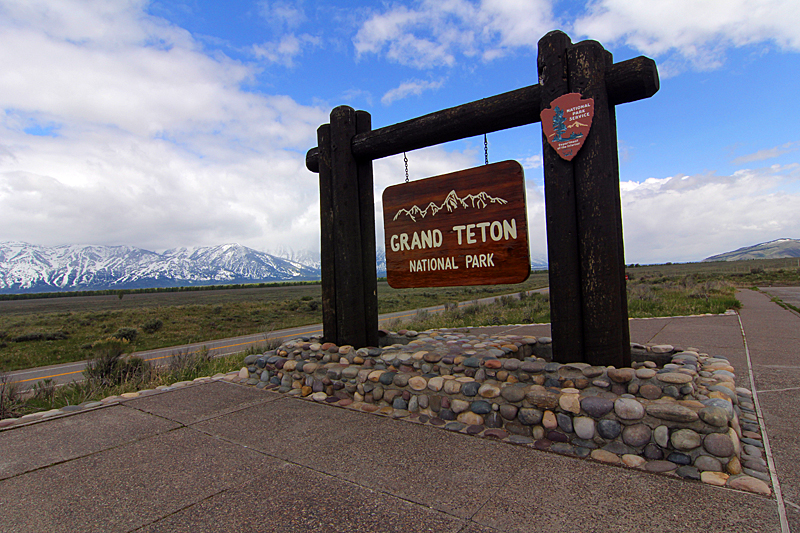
<point>463,228</point>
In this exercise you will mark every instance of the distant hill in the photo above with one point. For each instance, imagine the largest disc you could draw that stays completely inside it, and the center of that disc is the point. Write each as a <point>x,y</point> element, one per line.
<point>776,249</point>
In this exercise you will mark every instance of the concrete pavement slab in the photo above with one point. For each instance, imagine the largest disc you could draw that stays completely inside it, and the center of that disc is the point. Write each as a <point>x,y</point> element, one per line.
<point>123,488</point>
<point>200,402</point>
<point>449,472</point>
<point>285,497</point>
<point>27,448</point>
<point>564,493</point>
<point>773,339</point>
<point>790,295</point>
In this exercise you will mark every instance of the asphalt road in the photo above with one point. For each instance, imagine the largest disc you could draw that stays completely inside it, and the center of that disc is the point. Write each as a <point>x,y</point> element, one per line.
<point>68,372</point>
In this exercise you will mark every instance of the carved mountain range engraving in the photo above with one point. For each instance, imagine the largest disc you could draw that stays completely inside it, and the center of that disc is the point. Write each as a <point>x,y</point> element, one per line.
<point>451,203</point>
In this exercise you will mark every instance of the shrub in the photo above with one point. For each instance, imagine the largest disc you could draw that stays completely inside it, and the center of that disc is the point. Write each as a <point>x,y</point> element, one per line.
<point>110,368</point>
<point>128,334</point>
<point>152,325</point>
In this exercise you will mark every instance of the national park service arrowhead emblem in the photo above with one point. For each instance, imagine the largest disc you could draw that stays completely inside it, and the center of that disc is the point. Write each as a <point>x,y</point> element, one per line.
<point>567,122</point>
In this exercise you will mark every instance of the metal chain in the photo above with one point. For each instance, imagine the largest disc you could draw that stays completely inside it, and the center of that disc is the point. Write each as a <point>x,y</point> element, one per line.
<point>405,160</point>
<point>486,148</point>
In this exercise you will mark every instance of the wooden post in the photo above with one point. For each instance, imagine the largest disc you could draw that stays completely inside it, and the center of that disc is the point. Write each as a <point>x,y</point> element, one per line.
<point>347,212</point>
<point>604,305</point>
<point>566,311</point>
<point>327,242</point>
<point>366,208</point>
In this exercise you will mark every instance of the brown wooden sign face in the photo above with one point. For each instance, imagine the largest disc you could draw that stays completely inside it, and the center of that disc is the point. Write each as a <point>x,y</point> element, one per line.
<point>566,123</point>
<point>465,228</point>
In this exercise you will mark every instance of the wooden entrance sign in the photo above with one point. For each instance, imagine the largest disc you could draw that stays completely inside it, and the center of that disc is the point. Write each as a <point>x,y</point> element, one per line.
<point>463,228</point>
<point>588,301</point>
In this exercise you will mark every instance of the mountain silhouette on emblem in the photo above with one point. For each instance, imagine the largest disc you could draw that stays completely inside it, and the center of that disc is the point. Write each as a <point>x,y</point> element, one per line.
<point>578,125</point>
<point>451,203</point>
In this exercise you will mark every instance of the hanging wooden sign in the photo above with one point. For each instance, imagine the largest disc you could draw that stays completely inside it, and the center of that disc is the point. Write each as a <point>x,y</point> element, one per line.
<point>566,123</point>
<point>465,228</point>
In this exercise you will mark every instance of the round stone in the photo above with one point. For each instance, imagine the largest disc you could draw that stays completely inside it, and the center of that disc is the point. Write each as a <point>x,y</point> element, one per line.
<point>564,422</point>
<point>671,411</point>
<point>529,417</point>
<point>452,386</point>
<point>750,484</point>
<point>570,403</point>
<point>650,391</point>
<point>662,348</point>
<point>707,463</point>
<point>653,452</point>
<point>676,378</point>
<point>469,418</point>
<point>660,466</point>
<point>584,427</point>
<point>481,407</point>
<point>685,439</point>
<point>608,429</point>
<point>493,420</point>
<point>719,444</point>
<point>487,390</point>
<point>604,456</point>
<point>514,393</point>
<point>645,373</point>
<point>470,389</point>
<point>714,478</point>
<point>508,411</point>
<point>661,436</point>
<point>459,406</point>
<point>628,409</point>
<point>714,416</point>
<point>549,420</point>
<point>688,472</point>
<point>399,403</point>
<point>418,383</point>
<point>633,461</point>
<point>734,466</point>
<point>596,407</point>
<point>436,383</point>
<point>637,435</point>
<point>679,459</point>
<point>542,398</point>
<point>621,375</point>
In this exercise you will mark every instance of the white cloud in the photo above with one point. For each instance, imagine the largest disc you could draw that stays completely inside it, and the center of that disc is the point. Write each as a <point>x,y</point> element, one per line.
<point>155,143</point>
<point>281,15</point>
<point>408,88</point>
<point>688,31</point>
<point>688,218</point>
<point>768,153</point>
<point>284,50</point>
<point>534,161</point>
<point>435,32</point>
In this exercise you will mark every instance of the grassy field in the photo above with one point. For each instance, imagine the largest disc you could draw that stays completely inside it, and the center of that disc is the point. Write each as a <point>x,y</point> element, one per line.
<point>38,332</point>
<point>41,332</point>
<point>667,297</point>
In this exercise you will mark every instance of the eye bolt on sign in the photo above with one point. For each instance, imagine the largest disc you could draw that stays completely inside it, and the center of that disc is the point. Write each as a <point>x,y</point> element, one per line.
<point>465,228</point>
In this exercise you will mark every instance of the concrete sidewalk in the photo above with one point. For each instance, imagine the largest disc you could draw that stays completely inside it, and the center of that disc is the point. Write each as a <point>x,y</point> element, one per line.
<point>225,457</point>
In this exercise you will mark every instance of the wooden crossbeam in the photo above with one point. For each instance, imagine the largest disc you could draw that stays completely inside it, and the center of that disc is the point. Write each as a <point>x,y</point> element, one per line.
<point>626,81</point>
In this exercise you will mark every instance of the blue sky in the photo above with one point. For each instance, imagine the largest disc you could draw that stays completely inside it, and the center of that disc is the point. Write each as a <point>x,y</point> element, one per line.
<point>167,123</point>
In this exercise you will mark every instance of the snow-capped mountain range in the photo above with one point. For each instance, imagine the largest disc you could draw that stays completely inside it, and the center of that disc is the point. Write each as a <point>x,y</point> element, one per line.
<point>30,268</point>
